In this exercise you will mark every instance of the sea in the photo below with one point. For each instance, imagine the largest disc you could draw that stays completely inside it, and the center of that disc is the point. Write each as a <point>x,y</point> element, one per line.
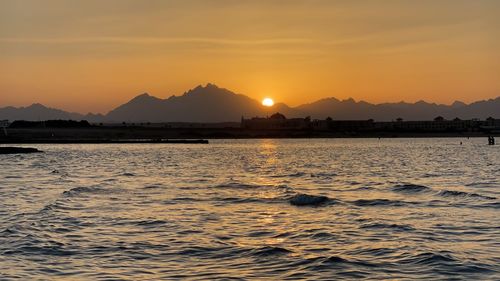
<point>254,209</point>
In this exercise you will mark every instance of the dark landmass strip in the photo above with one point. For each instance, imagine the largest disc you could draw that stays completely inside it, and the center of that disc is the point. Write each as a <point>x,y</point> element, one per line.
<point>69,140</point>
<point>274,126</point>
<point>50,124</point>
<point>199,135</point>
<point>18,150</point>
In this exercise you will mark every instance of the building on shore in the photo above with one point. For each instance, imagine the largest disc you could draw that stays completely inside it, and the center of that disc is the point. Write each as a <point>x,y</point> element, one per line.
<point>276,121</point>
<point>491,125</point>
<point>439,124</point>
<point>279,121</point>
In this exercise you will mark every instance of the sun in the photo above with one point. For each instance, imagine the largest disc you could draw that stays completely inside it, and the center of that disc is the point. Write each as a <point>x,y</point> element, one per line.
<point>267,102</point>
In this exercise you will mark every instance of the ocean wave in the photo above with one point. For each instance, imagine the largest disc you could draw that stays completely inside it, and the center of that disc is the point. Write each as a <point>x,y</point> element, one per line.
<point>224,200</point>
<point>154,186</point>
<point>381,202</point>
<point>392,226</point>
<point>494,205</point>
<point>308,200</point>
<point>373,252</point>
<point>196,251</point>
<point>260,233</point>
<point>270,251</point>
<point>429,259</point>
<point>238,185</point>
<point>410,188</point>
<point>323,175</point>
<point>463,194</point>
<point>58,205</point>
<point>292,175</point>
<point>150,223</point>
<point>245,200</point>
<point>13,177</point>
<point>362,188</point>
<point>34,250</point>
<point>250,186</point>
<point>186,199</point>
<point>483,184</point>
<point>110,180</point>
<point>81,189</point>
<point>335,259</point>
<point>338,261</point>
<point>211,253</point>
<point>446,263</point>
<point>88,189</point>
<point>323,236</point>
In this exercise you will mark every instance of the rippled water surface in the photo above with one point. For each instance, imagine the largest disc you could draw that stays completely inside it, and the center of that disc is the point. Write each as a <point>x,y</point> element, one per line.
<point>393,209</point>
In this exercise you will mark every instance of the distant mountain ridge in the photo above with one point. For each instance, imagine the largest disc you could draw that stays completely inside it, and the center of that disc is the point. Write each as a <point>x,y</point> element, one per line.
<point>211,103</point>
<point>421,110</point>
<point>39,112</point>
<point>36,112</point>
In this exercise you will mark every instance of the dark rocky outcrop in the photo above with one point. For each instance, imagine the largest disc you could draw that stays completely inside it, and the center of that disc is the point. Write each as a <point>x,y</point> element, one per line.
<point>18,150</point>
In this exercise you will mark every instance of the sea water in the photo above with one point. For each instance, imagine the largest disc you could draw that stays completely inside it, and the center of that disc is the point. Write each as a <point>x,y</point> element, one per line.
<point>246,210</point>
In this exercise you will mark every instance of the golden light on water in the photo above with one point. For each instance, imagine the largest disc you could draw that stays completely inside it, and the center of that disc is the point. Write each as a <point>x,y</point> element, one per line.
<point>267,102</point>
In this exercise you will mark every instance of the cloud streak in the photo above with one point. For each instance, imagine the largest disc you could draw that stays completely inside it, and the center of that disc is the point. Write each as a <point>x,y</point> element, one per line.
<point>158,40</point>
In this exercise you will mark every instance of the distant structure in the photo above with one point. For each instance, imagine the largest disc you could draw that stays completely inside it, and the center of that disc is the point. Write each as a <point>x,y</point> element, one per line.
<point>174,125</point>
<point>50,124</point>
<point>491,124</point>
<point>343,125</point>
<point>4,124</point>
<point>276,121</point>
<point>439,124</point>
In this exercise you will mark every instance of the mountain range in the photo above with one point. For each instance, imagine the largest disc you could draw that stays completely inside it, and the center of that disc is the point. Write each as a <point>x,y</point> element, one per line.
<point>211,103</point>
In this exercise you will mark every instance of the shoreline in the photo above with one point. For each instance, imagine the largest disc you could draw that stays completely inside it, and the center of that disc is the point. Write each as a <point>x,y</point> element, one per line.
<point>196,135</point>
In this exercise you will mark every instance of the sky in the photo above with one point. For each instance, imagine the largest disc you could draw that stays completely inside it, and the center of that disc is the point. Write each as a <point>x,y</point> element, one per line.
<point>93,55</point>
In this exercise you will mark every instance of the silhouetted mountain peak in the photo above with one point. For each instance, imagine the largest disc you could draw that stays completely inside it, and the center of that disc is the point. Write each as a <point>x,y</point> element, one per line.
<point>200,89</point>
<point>422,102</point>
<point>457,104</point>
<point>144,98</point>
<point>213,86</point>
<point>144,95</point>
<point>37,106</point>
<point>325,100</point>
<point>208,90</point>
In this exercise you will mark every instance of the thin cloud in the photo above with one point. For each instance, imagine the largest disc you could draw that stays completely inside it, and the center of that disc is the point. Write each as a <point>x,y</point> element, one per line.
<point>156,40</point>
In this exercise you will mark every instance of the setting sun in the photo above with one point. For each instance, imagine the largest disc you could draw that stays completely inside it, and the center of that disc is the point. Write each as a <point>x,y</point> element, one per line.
<point>267,102</point>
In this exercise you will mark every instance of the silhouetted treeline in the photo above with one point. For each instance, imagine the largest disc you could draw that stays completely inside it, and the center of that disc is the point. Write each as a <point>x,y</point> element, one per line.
<point>50,124</point>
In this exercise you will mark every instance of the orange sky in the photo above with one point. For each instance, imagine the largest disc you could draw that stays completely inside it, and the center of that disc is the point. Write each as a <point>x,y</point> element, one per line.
<point>92,55</point>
